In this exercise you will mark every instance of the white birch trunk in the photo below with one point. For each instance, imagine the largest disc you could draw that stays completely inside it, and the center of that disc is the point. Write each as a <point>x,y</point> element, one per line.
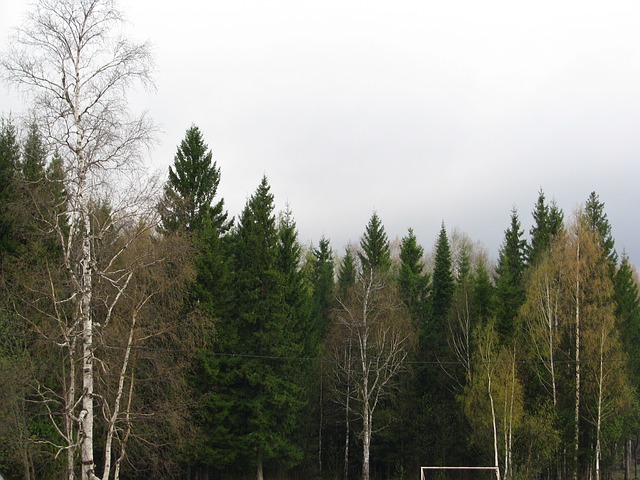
<point>496,456</point>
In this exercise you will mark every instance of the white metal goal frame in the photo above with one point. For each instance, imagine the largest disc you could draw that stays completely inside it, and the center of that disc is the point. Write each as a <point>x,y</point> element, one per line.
<point>423,469</point>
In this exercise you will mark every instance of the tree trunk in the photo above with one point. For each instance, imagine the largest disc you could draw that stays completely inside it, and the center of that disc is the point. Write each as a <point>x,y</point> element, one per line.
<point>496,458</point>
<point>259,474</point>
<point>366,442</point>
<point>627,459</point>
<point>86,291</point>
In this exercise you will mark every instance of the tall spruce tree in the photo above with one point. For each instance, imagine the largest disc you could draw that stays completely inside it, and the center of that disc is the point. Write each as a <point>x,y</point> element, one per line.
<point>509,277</point>
<point>439,416</point>
<point>413,282</point>
<point>191,188</point>
<point>9,161</point>
<point>34,155</point>
<point>296,287</point>
<point>628,314</point>
<point>547,222</point>
<point>263,397</point>
<point>483,292</point>
<point>597,221</point>
<point>443,282</point>
<point>347,272</point>
<point>323,285</point>
<point>375,252</point>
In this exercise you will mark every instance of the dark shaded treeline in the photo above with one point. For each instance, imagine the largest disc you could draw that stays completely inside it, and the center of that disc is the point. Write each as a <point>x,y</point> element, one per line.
<point>261,357</point>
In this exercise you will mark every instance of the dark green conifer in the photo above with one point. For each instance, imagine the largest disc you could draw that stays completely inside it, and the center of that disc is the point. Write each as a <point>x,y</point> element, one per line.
<point>191,188</point>
<point>255,395</point>
<point>323,285</point>
<point>547,222</point>
<point>483,293</point>
<point>509,277</point>
<point>375,252</point>
<point>597,221</point>
<point>347,272</point>
<point>413,282</point>
<point>34,155</point>
<point>443,282</point>
<point>628,314</point>
<point>9,162</point>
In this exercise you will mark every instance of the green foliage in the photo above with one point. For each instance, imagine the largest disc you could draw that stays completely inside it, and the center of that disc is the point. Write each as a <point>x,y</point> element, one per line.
<point>34,155</point>
<point>509,277</point>
<point>255,395</point>
<point>627,302</point>
<point>413,283</point>
<point>547,224</point>
<point>375,252</point>
<point>443,282</point>
<point>347,272</point>
<point>323,287</point>
<point>483,293</point>
<point>597,221</point>
<point>9,160</point>
<point>191,188</point>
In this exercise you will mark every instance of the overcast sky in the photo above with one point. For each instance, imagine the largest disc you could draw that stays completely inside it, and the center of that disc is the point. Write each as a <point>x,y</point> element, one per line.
<point>424,111</point>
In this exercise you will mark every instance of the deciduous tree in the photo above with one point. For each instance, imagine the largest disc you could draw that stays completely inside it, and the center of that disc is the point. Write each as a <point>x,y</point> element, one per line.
<point>69,57</point>
<point>371,338</point>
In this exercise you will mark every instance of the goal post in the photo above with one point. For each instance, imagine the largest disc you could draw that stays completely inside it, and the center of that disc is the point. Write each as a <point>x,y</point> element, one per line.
<point>423,470</point>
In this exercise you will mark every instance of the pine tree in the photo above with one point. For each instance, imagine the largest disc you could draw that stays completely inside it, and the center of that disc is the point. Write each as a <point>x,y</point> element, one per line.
<point>375,252</point>
<point>191,188</point>
<point>509,282</point>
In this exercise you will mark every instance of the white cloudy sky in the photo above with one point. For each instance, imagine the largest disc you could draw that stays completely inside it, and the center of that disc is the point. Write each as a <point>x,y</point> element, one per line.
<point>425,111</point>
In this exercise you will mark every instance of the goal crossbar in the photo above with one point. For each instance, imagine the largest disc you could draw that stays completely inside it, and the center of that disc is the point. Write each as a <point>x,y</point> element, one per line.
<point>423,469</point>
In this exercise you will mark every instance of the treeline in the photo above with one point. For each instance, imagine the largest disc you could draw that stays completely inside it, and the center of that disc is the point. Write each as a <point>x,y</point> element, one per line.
<point>225,348</point>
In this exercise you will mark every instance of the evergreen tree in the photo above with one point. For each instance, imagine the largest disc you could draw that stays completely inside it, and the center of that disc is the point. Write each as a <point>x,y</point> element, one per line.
<point>347,272</point>
<point>438,414</point>
<point>375,252</point>
<point>597,221</point>
<point>443,282</point>
<point>191,188</point>
<point>255,397</point>
<point>628,314</point>
<point>483,293</point>
<point>412,281</point>
<point>9,161</point>
<point>296,287</point>
<point>509,283</point>
<point>34,155</point>
<point>323,285</point>
<point>547,223</point>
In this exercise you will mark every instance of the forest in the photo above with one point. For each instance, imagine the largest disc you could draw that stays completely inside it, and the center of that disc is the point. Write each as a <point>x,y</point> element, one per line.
<point>146,333</point>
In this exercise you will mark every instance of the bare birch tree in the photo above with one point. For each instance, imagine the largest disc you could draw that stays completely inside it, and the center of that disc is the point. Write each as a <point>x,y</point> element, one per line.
<point>371,337</point>
<point>70,59</point>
